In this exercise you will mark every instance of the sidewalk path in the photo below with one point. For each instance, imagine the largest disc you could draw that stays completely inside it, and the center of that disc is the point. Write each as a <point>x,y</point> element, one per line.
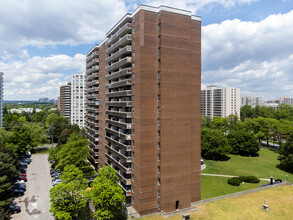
<point>220,175</point>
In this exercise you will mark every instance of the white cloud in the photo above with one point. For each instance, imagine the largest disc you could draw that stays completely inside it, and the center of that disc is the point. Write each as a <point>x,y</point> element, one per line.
<point>52,22</point>
<point>255,56</point>
<point>39,76</point>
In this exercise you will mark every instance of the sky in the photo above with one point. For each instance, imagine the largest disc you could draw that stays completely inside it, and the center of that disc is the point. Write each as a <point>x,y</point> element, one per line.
<point>246,44</point>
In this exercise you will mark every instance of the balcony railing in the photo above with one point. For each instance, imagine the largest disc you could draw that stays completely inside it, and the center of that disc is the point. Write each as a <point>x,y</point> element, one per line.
<point>118,103</point>
<point>93,69</point>
<point>93,76</point>
<point>119,114</point>
<point>118,144</point>
<point>119,93</point>
<point>119,134</point>
<point>119,124</point>
<point>93,55</point>
<point>118,74</point>
<point>123,30</point>
<point>119,53</point>
<point>117,153</point>
<point>123,167</point>
<point>119,84</point>
<point>92,62</point>
<point>120,43</point>
<point>92,83</point>
<point>119,64</point>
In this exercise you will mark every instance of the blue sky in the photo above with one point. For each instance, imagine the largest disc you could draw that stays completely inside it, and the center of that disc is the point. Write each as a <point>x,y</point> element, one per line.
<point>245,43</point>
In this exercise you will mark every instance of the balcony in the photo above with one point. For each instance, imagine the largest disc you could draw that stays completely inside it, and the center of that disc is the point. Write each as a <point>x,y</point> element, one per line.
<point>127,191</point>
<point>95,96</point>
<point>93,83</point>
<point>96,139</point>
<point>126,61</point>
<point>122,31</point>
<point>119,124</point>
<point>120,155</point>
<point>92,116</point>
<point>119,144</point>
<point>119,53</point>
<point>118,103</point>
<point>122,178</point>
<point>119,84</point>
<point>93,55</point>
<point>93,76</point>
<point>92,62</point>
<point>119,114</point>
<point>120,43</point>
<point>119,93</point>
<point>118,74</point>
<point>92,123</point>
<point>123,167</point>
<point>118,134</point>
<point>93,69</point>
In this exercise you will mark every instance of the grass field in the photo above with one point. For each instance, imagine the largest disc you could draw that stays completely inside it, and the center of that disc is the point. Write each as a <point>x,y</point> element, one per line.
<point>249,206</point>
<point>263,166</point>
<point>212,186</point>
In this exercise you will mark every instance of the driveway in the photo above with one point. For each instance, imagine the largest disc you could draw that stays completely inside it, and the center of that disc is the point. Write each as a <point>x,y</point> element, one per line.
<point>35,202</point>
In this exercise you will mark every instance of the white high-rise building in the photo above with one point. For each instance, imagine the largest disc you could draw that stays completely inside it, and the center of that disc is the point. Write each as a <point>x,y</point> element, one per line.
<point>220,102</point>
<point>1,99</point>
<point>252,100</point>
<point>78,99</point>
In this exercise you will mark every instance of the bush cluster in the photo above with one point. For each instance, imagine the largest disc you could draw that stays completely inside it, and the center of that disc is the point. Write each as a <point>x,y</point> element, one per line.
<point>235,181</point>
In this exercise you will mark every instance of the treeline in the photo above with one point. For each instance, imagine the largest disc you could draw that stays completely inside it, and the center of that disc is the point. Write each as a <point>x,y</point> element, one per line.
<point>223,136</point>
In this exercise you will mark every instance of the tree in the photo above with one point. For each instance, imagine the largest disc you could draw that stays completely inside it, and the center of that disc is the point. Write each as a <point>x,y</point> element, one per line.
<point>68,198</point>
<point>243,143</point>
<point>286,155</point>
<point>220,123</point>
<point>107,196</point>
<point>232,121</point>
<point>214,144</point>
<point>75,152</point>
<point>20,140</point>
<point>246,112</point>
<point>8,174</point>
<point>206,121</point>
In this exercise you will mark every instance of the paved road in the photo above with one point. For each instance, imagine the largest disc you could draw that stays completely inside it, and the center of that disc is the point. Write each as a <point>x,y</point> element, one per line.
<point>35,202</point>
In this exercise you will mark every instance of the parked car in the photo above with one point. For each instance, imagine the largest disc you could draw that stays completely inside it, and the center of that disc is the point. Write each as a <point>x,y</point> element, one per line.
<point>20,187</point>
<point>17,192</point>
<point>56,182</point>
<point>19,181</point>
<point>55,174</point>
<point>23,178</point>
<point>22,175</point>
<point>23,170</point>
<point>14,208</point>
<point>28,161</point>
<point>23,165</point>
<point>52,170</point>
<point>20,184</point>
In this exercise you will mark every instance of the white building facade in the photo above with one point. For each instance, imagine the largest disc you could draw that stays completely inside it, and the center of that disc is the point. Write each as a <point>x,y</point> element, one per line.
<point>220,102</point>
<point>78,100</point>
<point>1,98</point>
<point>253,101</point>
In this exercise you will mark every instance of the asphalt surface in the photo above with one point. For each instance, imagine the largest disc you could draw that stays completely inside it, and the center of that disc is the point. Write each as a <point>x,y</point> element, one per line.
<point>35,203</point>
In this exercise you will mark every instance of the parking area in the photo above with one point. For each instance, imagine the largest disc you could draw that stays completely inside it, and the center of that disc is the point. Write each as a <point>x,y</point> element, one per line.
<point>35,202</point>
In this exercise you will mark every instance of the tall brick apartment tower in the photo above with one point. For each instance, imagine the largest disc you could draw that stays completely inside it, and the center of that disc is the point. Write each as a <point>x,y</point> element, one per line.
<point>143,107</point>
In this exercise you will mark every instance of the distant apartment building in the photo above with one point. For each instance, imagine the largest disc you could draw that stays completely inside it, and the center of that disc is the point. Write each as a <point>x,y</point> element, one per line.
<point>142,108</point>
<point>78,99</point>
<point>220,102</point>
<point>58,103</point>
<point>1,98</point>
<point>65,101</point>
<point>252,101</point>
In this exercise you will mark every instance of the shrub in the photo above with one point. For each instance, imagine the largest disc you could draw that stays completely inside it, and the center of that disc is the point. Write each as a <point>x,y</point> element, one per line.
<point>249,179</point>
<point>234,181</point>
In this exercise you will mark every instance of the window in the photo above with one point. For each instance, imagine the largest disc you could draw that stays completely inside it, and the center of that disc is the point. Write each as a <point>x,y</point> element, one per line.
<point>132,75</point>
<point>133,143</point>
<point>132,132</point>
<point>159,193</point>
<point>133,42</point>
<point>159,39</point>
<point>159,26</point>
<point>132,154</point>
<point>132,199</point>
<point>133,19</point>
<point>159,98</point>
<point>159,169</point>
<point>159,145</point>
<point>133,30</point>
<point>132,177</point>
<point>159,14</point>
<point>159,181</point>
<point>133,64</point>
<point>133,87</point>
<point>132,165</point>
<point>159,133</point>
<point>132,108</point>
<point>159,74</point>
<point>132,120</point>
<point>159,50</point>
<point>159,157</point>
<point>132,189</point>
<point>133,53</point>
<point>133,98</point>
<point>159,86</point>
<point>159,121</point>
<point>159,62</point>
<point>159,110</point>
<point>159,206</point>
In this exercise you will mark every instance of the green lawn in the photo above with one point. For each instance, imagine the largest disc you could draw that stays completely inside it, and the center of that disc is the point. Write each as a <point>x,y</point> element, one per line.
<point>262,166</point>
<point>213,186</point>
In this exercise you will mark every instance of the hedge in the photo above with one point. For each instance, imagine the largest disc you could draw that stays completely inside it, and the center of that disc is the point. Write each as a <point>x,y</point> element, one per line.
<point>235,181</point>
